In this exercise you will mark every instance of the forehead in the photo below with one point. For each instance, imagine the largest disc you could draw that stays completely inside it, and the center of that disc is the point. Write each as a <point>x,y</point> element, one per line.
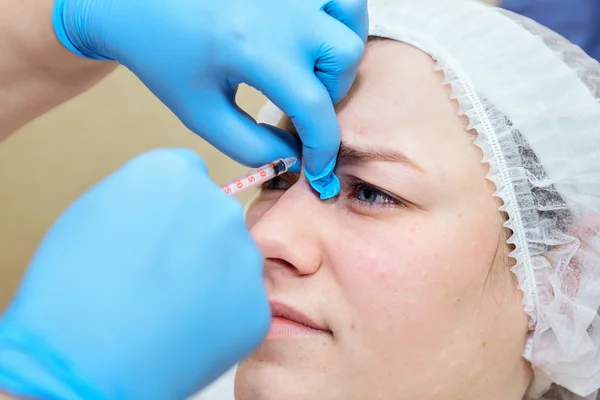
<point>398,100</point>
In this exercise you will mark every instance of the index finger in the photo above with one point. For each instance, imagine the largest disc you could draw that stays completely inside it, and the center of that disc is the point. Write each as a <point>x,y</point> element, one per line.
<point>306,101</point>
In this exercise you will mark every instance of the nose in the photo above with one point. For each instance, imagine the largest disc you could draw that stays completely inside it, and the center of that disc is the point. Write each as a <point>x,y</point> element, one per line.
<point>290,232</point>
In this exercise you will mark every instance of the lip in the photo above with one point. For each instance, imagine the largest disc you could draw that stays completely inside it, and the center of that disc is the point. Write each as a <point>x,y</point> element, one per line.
<point>289,322</point>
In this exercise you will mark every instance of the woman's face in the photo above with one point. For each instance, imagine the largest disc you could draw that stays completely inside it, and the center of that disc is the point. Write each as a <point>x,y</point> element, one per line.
<point>404,274</point>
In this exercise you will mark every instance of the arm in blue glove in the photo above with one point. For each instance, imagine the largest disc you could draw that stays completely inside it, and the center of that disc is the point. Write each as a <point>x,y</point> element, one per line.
<point>147,287</point>
<point>193,54</point>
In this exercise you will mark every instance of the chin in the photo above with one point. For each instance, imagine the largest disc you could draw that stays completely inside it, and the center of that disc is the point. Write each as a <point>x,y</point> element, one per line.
<point>260,379</point>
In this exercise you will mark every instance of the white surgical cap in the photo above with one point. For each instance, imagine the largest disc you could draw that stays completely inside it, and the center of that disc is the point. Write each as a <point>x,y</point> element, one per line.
<point>533,99</point>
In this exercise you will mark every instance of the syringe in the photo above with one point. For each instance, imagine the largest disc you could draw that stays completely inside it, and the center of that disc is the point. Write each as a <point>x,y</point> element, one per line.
<point>259,176</point>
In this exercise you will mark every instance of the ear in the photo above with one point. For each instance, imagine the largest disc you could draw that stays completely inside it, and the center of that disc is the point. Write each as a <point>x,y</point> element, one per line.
<point>587,257</point>
<point>587,228</point>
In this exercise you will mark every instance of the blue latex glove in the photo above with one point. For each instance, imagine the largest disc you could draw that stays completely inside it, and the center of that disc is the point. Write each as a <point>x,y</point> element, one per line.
<point>148,287</point>
<point>193,54</point>
<point>577,20</point>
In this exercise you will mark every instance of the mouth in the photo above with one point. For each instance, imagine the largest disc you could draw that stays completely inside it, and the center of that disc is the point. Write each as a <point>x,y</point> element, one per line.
<point>289,322</point>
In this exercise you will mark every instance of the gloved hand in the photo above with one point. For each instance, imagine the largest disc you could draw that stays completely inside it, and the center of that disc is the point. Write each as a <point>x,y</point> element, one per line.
<point>148,287</point>
<point>193,54</point>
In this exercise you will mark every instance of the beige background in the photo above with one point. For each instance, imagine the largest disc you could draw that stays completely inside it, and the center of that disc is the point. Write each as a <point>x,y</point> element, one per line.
<point>48,163</point>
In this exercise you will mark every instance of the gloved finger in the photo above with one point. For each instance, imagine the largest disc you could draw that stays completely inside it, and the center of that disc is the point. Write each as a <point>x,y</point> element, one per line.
<point>340,53</point>
<point>302,97</point>
<point>236,134</point>
<point>352,13</point>
<point>294,142</point>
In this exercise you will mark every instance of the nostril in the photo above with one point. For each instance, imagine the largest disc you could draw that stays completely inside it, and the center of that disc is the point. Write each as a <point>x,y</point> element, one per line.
<point>279,262</point>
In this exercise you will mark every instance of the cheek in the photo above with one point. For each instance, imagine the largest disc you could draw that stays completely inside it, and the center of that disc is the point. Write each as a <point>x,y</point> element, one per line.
<point>414,275</point>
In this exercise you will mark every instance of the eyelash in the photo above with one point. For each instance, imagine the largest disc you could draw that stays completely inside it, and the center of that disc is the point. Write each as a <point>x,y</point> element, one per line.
<point>352,186</point>
<point>271,184</point>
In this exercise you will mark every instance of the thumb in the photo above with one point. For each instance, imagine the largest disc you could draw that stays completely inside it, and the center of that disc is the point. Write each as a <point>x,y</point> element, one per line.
<point>236,134</point>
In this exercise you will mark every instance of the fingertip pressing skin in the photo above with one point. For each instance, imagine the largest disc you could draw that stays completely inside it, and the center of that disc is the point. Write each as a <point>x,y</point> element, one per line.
<point>326,183</point>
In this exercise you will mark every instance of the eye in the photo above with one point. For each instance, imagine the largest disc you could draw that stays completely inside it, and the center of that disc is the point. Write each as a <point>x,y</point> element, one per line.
<point>371,195</point>
<point>368,195</point>
<point>277,183</point>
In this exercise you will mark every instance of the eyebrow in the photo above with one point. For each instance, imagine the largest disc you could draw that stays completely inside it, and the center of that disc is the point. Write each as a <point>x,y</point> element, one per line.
<point>353,155</point>
<point>349,154</point>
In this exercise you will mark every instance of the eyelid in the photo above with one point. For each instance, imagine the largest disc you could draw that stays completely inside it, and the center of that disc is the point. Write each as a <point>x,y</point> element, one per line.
<point>352,185</point>
<point>281,178</point>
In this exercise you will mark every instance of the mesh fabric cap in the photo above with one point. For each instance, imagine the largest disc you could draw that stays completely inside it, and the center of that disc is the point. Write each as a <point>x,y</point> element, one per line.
<point>532,97</point>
